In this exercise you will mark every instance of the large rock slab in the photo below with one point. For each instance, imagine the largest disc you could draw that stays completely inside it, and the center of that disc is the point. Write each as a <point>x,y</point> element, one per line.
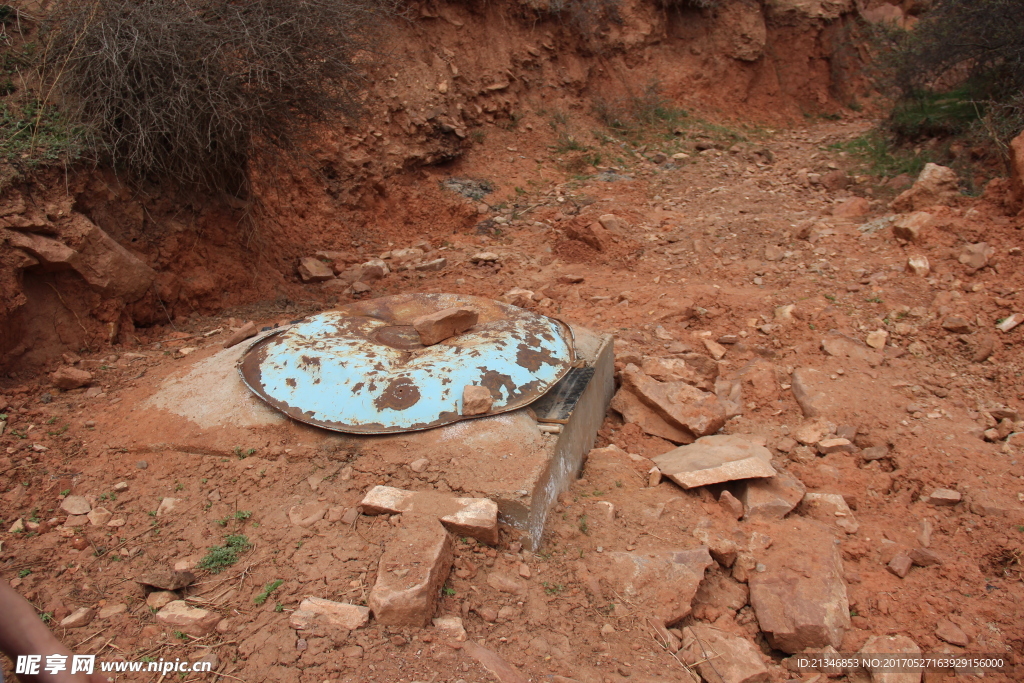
<point>679,403</point>
<point>800,599</point>
<point>664,582</point>
<point>721,657</point>
<point>473,517</point>
<point>414,566</point>
<point>632,409</point>
<point>715,459</point>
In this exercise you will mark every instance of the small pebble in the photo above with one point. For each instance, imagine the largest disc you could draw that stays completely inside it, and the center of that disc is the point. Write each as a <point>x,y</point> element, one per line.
<point>142,464</point>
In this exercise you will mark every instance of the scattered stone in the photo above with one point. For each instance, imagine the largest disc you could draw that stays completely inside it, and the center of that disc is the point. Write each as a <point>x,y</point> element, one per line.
<point>1008,324</point>
<point>835,445</point>
<point>506,584</point>
<point>473,517</point>
<point>944,497</point>
<point>373,270</point>
<point>436,327</point>
<point>308,514</point>
<point>76,520</point>
<point>570,279</point>
<point>772,497</point>
<point>18,526</point>
<point>70,378</point>
<point>811,402</point>
<point>166,579</point>
<point>121,486</point>
<point>716,350</point>
<point>476,400</point>
<point>800,597</point>
<point>419,465</point>
<point>957,324</point>
<point>912,226</point>
<point>721,657</point>
<point>314,270</point>
<point>158,599</point>
<point>190,620</point>
<point>451,625</point>
<point>432,265</point>
<point>414,566</point>
<point>75,505</point>
<point>517,296</point>
<point>99,516</point>
<point>664,582</point>
<point>951,633</point>
<point>79,618</point>
<point>935,185</point>
<point>811,433</point>
<point>112,610</point>
<point>715,459</point>
<point>976,256</point>
<point>918,265</point>
<point>731,504</point>
<point>877,339</point>
<point>167,505</point>
<point>241,334</point>
<point>484,257</point>
<point>343,614</point>
<point>900,565</point>
<point>923,557</point>
<point>852,208</point>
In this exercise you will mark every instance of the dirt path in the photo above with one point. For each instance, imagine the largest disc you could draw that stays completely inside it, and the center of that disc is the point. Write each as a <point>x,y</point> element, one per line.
<point>758,253</point>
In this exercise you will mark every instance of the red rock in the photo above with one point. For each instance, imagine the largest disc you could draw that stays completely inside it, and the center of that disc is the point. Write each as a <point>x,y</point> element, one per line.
<point>923,557</point>
<point>721,657</point>
<point>772,497</point>
<point>436,327</point>
<point>166,579</point>
<point>158,599</point>
<point>900,565</point>
<point>632,409</point>
<point>240,335</point>
<point>680,404</point>
<point>935,185</point>
<point>70,378</point>
<point>473,517</point>
<point>800,599</point>
<point>912,226</point>
<point>191,620</point>
<point>951,633</point>
<point>490,660</point>
<point>476,400</point>
<point>414,566</point>
<point>855,207</point>
<point>314,270</point>
<point>79,618</point>
<point>664,582</point>
<point>889,646</point>
<point>505,583</point>
<point>715,459</point>
<point>731,504</point>
<point>343,614</point>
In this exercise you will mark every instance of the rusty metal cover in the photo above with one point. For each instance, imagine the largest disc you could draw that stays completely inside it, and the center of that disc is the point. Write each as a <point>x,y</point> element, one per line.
<point>362,369</point>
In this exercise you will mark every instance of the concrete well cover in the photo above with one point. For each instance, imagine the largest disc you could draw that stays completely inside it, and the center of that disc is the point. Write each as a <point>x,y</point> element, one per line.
<point>361,368</point>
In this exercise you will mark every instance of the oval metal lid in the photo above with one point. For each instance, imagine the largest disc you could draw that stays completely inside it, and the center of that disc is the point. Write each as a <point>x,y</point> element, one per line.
<point>362,369</point>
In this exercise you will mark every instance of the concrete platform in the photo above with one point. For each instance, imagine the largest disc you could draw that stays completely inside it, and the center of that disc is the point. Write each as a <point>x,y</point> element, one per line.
<point>206,409</point>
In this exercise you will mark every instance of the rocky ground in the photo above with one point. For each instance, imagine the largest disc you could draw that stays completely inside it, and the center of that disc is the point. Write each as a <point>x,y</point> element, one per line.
<point>860,348</point>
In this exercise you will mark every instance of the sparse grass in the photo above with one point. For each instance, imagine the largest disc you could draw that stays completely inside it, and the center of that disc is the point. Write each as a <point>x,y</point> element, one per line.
<point>267,590</point>
<point>220,557</point>
<point>584,527</point>
<point>881,157</point>
<point>33,135</point>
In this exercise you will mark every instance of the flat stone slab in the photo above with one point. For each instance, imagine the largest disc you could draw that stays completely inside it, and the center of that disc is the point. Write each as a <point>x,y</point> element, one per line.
<point>473,517</point>
<point>715,459</point>
<point>721,656</point>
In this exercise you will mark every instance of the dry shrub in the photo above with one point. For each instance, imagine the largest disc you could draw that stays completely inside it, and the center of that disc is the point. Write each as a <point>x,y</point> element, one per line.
<point>191,90</point>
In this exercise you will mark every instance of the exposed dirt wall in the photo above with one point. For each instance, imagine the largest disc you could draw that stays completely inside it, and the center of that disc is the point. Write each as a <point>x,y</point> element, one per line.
<point>463,83</point>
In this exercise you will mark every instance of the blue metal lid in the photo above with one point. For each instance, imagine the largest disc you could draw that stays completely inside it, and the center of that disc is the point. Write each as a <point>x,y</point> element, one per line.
<point>362,369</point>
